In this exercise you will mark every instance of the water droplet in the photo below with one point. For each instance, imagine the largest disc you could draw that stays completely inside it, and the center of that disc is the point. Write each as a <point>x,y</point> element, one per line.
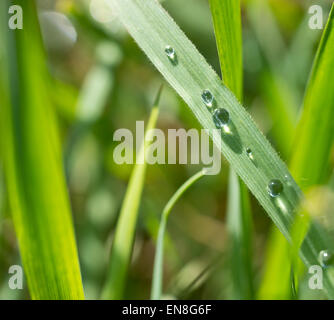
<point>275,187</point>
<point>325,258</point>
<point>170,53</point>
<point>208,98</point>
<point>221,117</point>
<point>250,153</point>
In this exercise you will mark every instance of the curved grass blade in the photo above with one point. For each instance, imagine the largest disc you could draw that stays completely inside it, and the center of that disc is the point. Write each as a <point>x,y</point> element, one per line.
<point>33,163</point>
<point>126,226</point>
<point>227,25</point>
<point>153,29</point>
<point>158,260</point>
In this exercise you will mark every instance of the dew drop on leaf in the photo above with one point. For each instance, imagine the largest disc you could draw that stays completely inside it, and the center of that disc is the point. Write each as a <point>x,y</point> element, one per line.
<point>325,258</point>
<point>208,98</point>
<point>221,117</point>
<point>249,153</point>
<point>275,187</point>
<point>170,52</point>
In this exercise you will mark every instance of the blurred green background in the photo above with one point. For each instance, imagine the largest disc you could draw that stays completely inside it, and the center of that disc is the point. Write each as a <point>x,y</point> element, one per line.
<point>101,82</point>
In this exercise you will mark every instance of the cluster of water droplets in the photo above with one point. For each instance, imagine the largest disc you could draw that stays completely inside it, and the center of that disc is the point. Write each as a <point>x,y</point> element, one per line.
<point>221,118</point>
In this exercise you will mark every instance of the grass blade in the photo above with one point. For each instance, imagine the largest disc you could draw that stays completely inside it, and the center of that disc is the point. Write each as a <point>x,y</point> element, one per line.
<point>276,281</point>
<point>315,131</point>
<point>318,108</point>
<point>189,77</point>
<point>227,24</point>
<point>240,227</point>
<point>32,159</point>
<point>126,225</point>
<point>316,118</point>
<point>158,260</point>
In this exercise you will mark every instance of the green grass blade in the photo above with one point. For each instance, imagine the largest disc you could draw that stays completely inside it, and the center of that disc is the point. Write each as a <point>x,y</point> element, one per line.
<point>126,226</point>
<point>315,148</point>
<point>276,281</point>
<point>33,163</point>
<point>239,221</point>
<point>315,131</point>
<point>227,25</point>
<point>277,98</point>
<point>158,260</point>
<point>310,148</point>
<point>189,77</point>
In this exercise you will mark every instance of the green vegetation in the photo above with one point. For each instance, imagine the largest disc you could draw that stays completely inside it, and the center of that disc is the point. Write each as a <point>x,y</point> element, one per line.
<point>84,226</point>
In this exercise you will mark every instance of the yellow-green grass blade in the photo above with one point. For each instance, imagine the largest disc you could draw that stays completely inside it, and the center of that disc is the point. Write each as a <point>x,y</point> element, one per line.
<point>33,163</point>
<point>276,281</point>
<point>278,101</point>
<point>121,251</point>
<point>226,17</point>
<point>318,108</point>
<point>315,131</point>
<point>189,77</point>
<point>156,290</point>
<point>227,25</point>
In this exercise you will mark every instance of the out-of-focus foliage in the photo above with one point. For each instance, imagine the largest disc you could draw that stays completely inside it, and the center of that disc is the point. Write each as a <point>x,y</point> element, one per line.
<point>33,165</point>
<point>101,81</point>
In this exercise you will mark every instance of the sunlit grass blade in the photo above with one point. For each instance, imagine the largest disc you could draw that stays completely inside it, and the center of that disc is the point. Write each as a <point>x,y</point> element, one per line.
<point>189,77</point>
<point>227,24</point>
<point>33,163</point>
<point>278,101</point>
<point>315,131</point>
<point>276,281</point>
<point>156,290</point>
<point>126,226</point>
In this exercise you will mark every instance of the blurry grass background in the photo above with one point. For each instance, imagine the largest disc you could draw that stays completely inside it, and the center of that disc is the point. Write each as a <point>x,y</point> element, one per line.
<point>101,81</point>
